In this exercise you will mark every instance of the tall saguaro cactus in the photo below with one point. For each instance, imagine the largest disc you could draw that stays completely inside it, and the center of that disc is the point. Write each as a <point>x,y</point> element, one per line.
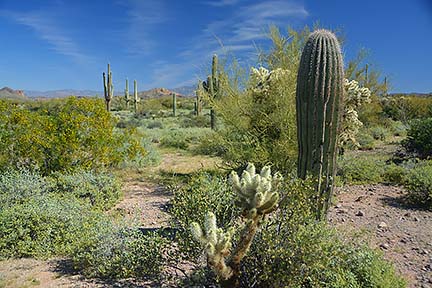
<point>174,104</point>
<point>136,98</point>
<point>127,98</point>
<point>319,101</point>
<point>108,88</point>
<point>213,89</point>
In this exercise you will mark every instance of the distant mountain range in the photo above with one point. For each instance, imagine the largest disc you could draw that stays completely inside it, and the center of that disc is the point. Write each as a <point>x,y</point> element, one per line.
<point>186,91</point>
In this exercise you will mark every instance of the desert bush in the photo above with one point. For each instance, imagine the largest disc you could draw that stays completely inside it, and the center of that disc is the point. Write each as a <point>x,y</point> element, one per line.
<point>155,125</point>
<point>314,255</point>
<point>180,137</point>
<point>100,190</point>
<point>419,138</point>
<point>394,174</point>
<point>291,247</point>
<point>43,226</point>
<point>361,170</point>
<point>419,184</point>
<point>73,134</point>
<point>366,141</point>
<point>379,133</point>
<point>118,252</point>
<point>398,128</point>
<point>18,186</point>
<point>213,145</point>
<point>406,108</point>
<point>201,193</point>
<point>195,121</point>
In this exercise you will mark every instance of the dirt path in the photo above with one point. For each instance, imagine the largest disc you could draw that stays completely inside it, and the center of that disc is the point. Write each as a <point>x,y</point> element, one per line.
<point>144,201</point>
<point>404,234</point>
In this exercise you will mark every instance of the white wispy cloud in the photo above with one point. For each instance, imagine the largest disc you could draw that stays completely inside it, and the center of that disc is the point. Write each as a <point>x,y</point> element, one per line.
<point>142,17</point>
<point>47,29</point>
<point>222,3</point>
<point>238,32</point>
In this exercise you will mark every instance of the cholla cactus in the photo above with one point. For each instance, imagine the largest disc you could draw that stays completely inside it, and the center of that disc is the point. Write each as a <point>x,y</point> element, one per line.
<point>266,79</point>
<point>216,242</point>
<point>355,96</point>
<point>257,200</point>
<point>254,191</point>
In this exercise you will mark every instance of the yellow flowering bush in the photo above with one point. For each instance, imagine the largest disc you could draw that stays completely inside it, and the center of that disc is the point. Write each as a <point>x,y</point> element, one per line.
<point>75,133</point>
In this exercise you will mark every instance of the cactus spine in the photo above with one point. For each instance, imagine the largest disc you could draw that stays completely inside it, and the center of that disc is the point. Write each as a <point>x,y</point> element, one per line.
<point>136,99</point>
<point>174,104</point>
<point>256,198</point>
<point>108,88</point>
<point>127,98</point>
<point>319,100</point>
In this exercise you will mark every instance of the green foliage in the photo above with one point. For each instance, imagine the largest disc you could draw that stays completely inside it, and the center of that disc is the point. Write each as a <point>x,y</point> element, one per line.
<point>43,226</point>
<point>313,255</point>
<point>117,252</point>
<point>394,174</point>
<point>406,108</point>
<point>17,186</point>
<point>180,137</point>
<point>365,140</point>
<point>419,137</point>
<point>100,190</point>
<point>379,133</point>
<point>419,184</point>
<point>361,170</point>
<point>203,192</point>
<point>72,134</point>
<point>257,115</point>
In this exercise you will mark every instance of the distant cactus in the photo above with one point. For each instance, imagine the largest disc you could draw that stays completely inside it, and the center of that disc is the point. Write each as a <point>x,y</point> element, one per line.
<point>256,198</point>
<point>319,98</point>
<point>174,104</point>
<point>136,98</point>
<point>108,88</point>
<point>212,87</point>
<point>127,98</point>
<point>198,100</point>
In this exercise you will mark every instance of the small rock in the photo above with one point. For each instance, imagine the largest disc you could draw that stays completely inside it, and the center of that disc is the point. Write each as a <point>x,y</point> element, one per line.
<point>359,198</point>
<point>384,246</point>
<point>341,211</point>
<point>382,225</point>
<point>416,219</point>
<point>338,205</point>
<point>360,213</point>
<point>408,214</point>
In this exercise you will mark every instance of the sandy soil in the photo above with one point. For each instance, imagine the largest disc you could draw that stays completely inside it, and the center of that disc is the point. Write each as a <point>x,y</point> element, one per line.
<point>404,234</point>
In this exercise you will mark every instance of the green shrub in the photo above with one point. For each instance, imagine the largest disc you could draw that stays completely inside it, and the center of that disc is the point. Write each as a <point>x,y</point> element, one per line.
<point>394,174</point>
<point>18,186</point>
<point>195,121</point>
<point>293,249</point>
<point>398,128</point>
<point>379,133</point>
<point>203,192</point>
<point>43,226</point>
<point>419,184</point>
<point>419,138</point>
<point>361,170</point>
<point>116,252</point>
<point>67,135</point>
<point>313,255</point>
<point>366,141</point>
<point>100,190</point>
<point>181,137</point>
<point>155,125</point>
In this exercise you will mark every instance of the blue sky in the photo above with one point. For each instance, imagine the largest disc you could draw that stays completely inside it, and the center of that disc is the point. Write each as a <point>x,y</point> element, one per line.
<point>62,44</point>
